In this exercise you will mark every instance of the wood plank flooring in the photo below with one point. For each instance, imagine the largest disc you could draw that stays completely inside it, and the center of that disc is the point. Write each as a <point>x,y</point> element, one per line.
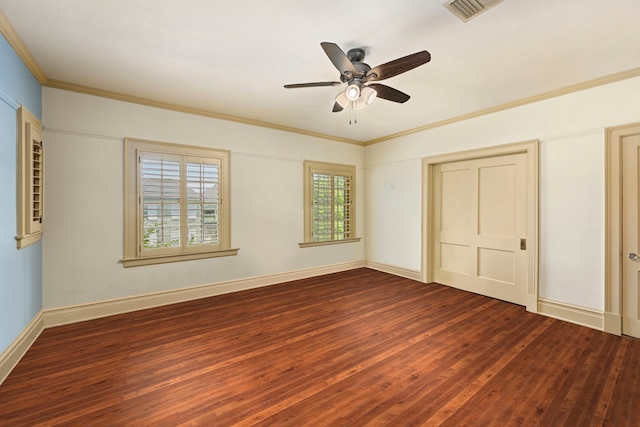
<point>353,348</point>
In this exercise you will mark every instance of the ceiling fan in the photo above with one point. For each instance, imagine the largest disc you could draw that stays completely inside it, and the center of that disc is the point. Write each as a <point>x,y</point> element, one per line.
<point>360,77</point>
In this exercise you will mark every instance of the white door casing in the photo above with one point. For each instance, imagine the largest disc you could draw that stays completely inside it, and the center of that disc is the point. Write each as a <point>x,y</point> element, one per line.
<point>616,254</point>
<point>630,235</point>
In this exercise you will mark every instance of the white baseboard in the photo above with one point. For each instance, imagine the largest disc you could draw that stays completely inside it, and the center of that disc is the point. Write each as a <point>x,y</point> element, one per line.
<point>397,271</point>
<point>12,355</point>
<point>572,313</point>
<point>82,312</point>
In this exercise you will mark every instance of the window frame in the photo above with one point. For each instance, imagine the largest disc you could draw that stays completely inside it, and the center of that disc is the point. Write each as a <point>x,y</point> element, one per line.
<point>29,178</point>
<point>134,252</point>
<point>332,169</point>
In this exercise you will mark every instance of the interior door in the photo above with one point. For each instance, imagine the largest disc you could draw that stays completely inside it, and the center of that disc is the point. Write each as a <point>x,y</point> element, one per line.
<point>630,235</point>
<point>480,226</point>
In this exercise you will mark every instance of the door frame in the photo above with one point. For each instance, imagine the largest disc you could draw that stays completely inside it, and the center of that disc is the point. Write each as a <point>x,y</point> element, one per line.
<point>613,226</point>
<point>531,149</point>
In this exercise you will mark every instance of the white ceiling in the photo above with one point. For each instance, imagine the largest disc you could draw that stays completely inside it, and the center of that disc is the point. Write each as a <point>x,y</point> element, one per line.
<point>233,57</point>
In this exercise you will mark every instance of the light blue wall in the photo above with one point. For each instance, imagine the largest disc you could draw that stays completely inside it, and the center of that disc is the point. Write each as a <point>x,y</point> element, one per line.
<point>20,270</point>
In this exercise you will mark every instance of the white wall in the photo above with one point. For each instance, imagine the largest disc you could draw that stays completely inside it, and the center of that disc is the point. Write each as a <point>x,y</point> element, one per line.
<point>83,241</point>
<point>572,219</point>
<point>394,213</point>
<point>571,133</point>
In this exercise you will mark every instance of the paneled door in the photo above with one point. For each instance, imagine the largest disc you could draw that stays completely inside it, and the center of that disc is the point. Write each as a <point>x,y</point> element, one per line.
<point>480,226</point>
<point>630,235</point>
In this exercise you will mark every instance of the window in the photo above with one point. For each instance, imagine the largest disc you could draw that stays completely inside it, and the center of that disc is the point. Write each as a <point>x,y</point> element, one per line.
<point>30,179</point>
<point>177,203</point>
<point>329,206</point>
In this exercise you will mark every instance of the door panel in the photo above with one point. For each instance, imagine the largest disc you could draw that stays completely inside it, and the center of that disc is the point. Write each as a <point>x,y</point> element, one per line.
<point>454,209</point>
<point>496,265</point>
<point>630,235</point>
<point>480,217</point>
<point>454,258</point>
<point>496,209</point>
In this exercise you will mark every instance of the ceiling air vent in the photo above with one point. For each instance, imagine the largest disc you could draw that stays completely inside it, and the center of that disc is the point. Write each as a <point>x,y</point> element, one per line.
<point>468,9</point>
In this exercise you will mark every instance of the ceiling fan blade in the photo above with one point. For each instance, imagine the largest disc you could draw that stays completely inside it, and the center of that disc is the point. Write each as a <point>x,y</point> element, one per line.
<point>337,108</point>
<point>399,66</point>
<point>338,58</point>
<point>314,84</point>
<point>389,93</point>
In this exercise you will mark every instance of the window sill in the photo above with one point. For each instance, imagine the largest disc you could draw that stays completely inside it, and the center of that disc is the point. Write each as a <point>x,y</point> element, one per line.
<point>328,242</point>
<point>136,262</point>
<point>27,239</point>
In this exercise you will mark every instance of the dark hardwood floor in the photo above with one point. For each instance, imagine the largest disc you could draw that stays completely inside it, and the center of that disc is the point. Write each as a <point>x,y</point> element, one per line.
<point>354,348</point>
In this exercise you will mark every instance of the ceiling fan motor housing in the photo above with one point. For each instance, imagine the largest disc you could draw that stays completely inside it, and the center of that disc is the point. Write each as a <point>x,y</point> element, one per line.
<point>356,56</point>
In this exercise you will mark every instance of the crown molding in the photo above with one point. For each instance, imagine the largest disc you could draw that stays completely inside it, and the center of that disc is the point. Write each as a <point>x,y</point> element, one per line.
<point>611,78</point>
<point>58,84</point>
<point>14,40</point>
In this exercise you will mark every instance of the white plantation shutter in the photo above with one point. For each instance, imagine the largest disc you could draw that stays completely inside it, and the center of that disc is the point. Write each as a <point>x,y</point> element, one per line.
<point>332,203</point>
<point>341,207</point>
<point>322,207</point>
<point>37,175</point>
<point>179,203</point>
<point>203,199</point>
<point>160,182</point>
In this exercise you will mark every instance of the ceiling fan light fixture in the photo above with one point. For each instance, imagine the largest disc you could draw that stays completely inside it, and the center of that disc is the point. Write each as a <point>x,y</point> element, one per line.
<point>342,100</point>
<point>359,104</point>
<point>352,92</point>
<point>368,94</point>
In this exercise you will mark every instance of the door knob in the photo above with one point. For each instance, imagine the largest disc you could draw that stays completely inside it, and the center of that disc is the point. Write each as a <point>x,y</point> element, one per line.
<point>632,256</point>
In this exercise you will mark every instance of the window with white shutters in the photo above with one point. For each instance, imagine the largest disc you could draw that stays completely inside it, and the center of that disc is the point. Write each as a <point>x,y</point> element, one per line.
<point>30,179</point>
<point>176,208</point>
<point>329,203</point>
